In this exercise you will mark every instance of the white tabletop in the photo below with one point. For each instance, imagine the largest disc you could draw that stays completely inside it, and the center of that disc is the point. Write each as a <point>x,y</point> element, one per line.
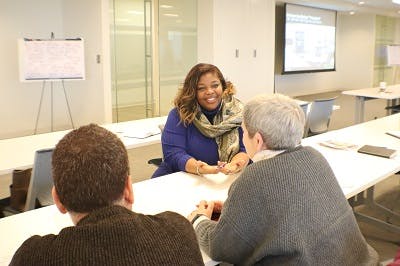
<point>179,192</point>
<point>355,171</point>
<point>392,92</point>
<point>18,153</point>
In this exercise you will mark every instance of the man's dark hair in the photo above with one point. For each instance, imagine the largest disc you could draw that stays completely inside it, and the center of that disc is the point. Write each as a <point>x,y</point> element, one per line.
<point>90,168</point>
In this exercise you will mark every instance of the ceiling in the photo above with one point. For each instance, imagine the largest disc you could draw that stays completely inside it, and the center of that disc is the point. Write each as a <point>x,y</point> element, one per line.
<point>381,7</point>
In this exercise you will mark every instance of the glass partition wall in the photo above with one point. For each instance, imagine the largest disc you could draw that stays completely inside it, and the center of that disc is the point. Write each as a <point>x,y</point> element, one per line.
<point>147,69</point>
<point>177,47</point>
<point>386,33</point>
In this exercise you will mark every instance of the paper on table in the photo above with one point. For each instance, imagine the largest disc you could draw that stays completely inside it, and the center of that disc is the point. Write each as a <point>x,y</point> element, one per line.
<point>337,144</point>
<point>142,134</point>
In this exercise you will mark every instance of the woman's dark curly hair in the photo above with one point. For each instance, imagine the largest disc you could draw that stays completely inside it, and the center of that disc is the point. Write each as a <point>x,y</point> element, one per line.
<point>185,100</point>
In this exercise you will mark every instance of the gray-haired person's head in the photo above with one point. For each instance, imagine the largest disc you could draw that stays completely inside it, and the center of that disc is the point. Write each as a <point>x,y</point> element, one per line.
<point>278,118</point>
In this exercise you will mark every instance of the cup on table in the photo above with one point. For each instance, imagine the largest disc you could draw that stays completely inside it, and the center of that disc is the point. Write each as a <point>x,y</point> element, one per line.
<point>382,86</point>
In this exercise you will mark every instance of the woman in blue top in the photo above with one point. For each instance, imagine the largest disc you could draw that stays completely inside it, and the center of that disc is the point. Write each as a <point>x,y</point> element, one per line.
<point>202,134</point>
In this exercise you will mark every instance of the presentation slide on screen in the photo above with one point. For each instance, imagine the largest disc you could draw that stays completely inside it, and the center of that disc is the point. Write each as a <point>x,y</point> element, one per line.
<point>309,39</point>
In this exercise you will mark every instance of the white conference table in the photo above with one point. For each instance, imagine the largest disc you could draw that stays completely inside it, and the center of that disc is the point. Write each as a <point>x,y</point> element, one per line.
<point>18,153</point>
<point>358,173</point>
<point>179,192</point>
<point>391,94</point>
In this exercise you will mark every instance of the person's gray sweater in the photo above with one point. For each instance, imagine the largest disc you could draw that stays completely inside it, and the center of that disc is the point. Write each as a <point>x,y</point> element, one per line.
<point>287,210</point>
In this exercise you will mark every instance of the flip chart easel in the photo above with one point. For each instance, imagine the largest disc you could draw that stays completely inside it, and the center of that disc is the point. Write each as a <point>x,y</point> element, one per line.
<point>50,60</point>
<point>393,59</point>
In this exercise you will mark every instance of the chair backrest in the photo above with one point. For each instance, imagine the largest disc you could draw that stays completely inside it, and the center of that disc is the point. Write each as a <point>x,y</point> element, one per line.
<point>305,106</point>
<point>41,181</point>
<point>319,116</point>
<point>157,161</point>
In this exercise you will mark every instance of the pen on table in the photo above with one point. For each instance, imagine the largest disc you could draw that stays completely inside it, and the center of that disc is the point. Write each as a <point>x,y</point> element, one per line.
<point>393,135</point>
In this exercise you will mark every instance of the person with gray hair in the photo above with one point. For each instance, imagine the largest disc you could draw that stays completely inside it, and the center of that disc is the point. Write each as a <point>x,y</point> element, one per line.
<point>286,208</point>
<point>279,121</point>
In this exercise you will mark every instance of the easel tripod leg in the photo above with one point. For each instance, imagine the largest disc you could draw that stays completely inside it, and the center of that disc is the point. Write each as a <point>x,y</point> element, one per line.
<point>69,110</point>
<point>40,107</point>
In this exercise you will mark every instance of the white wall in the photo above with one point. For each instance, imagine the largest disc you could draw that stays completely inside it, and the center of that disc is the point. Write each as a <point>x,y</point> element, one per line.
<point>355,51</point>
<point>246,26</point>
<point>19,102</point>
<point>355,41</point>
<point>223,26</point>
<point>205,32</point>
<point>90,99</point>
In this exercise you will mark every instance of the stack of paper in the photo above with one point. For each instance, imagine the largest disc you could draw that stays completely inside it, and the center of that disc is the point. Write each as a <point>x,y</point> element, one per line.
<point>142,134</point>
<point>337,144</point>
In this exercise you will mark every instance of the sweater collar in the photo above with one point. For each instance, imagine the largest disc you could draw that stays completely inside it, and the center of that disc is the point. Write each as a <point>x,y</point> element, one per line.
<point>265,154</point>
<point>210,114</point>
<point>268,154</point>
<point>103,213</point>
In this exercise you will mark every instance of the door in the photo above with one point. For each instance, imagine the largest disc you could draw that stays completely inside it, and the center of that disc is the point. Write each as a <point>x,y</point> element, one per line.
<point>147,69</point>
<point>129,59</point>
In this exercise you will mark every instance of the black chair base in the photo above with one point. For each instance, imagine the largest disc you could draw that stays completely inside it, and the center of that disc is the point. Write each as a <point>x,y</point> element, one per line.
<point>394,109</point>
<point>5,208</point>
<point>155,161</point>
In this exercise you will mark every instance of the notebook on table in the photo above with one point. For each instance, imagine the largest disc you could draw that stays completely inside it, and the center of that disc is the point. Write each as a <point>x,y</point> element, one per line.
<point>378,151</point>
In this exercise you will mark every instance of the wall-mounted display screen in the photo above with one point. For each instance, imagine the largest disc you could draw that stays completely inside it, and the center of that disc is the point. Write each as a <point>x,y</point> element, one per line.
<point>310,38</point>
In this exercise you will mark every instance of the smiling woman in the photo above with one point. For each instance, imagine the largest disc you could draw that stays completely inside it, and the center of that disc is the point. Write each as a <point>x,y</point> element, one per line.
<point>203,134</point>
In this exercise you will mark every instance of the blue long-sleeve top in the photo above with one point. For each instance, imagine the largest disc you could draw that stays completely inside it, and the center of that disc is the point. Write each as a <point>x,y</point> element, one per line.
<point>180,143</point>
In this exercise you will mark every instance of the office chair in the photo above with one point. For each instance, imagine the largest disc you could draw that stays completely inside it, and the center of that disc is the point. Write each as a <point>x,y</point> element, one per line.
<point>393,109</point>
<point>15,203</point>
<point>305,107</point>
<point>41,183</point>
<point>319,116</point>
<point>157,161</point>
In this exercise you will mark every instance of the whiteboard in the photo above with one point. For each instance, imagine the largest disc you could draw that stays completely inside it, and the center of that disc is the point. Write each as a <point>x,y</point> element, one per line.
<point>393,55</point>
<point>51,59</point>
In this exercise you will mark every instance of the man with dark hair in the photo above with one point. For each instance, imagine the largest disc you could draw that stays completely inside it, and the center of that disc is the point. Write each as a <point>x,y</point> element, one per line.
<point>92,183</point>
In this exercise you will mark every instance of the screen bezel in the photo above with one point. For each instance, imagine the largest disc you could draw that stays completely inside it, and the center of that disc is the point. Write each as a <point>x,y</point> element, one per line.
<point>284,43</point>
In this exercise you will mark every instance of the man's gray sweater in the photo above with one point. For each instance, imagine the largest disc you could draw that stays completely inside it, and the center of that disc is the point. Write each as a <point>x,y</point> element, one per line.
<point>287,210</point>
